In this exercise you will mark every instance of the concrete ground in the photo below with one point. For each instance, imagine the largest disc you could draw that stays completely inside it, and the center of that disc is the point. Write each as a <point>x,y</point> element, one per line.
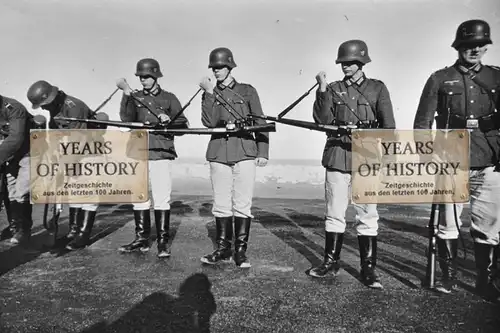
<point>99,290</point>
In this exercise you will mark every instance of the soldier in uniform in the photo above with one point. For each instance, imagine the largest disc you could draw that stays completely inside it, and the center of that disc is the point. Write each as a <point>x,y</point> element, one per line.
<point>14,156</point>
<point>232,158</point>
<point>466,95</point>
<point>59,104</point>
<point>153,105</point>
<point>354,100</point>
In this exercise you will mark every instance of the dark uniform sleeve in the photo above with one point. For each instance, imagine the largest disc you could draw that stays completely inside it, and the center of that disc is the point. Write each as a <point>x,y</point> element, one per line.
<point>261,138</point>
<point>75,110</point>
<point>209,114</point>
<point>427,107</point>
<point>385,113</point>
<point>322,108</point>
<point>175,108</point>
<point>128,111</point>
<point>16,116</point>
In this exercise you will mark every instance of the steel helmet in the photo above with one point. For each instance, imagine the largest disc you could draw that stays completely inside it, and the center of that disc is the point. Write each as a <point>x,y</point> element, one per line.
<point>148,67</point>
<point>221,57</point>
<point>353,50</point>
<point>472,31</point>
<point>41,93</point>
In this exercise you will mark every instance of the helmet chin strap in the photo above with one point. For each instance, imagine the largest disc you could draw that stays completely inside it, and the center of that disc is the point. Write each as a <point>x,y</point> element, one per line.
<point>153,88</point>
<point>227,75</point>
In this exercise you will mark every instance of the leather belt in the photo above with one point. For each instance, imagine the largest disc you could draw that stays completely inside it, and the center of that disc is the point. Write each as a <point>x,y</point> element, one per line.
<point>484,123</point>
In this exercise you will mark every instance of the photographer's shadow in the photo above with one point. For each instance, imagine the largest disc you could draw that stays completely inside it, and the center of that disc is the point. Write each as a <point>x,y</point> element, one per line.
<point>159,312</point>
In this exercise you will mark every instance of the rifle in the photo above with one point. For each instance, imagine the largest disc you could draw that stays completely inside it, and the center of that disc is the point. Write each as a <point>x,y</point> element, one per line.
<point>291,106</point>
<point>309,125</point>
<point>230,128</point>
<point>184,108</point>
<point>430,273</point>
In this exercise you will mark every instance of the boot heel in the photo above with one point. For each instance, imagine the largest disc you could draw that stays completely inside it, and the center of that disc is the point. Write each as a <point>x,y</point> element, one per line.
<point>86,219</point>
<point>242,233</point>
<point>142,232</point>
<point>162,220</point>
<point>224,235</point>
<point>331,261</point>
<point>368,256</point>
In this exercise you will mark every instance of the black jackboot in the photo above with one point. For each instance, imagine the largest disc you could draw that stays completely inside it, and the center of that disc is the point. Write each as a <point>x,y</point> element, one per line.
<point>162,220</point>
<point>331,261</point>
<point>142,232</point>
<point>486,257</point>
<point>241,232</point>
<point>10,230</point>
<point>224,235</point>
<point>22,221</point>
<point>74,227</point>
<point>447,257</point>
<point>368,254</point>
<point>85,219</point>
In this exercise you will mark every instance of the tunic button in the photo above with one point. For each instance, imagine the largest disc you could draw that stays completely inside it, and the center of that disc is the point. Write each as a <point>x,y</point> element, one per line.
<point>472,87</point>
<point>472,101</point>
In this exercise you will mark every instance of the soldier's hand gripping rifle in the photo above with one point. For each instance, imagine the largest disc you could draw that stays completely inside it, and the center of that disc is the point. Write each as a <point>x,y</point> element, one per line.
<point>341,129</point>
<point>230,128</point>
<point>123,85</point>
<point>241,125</point>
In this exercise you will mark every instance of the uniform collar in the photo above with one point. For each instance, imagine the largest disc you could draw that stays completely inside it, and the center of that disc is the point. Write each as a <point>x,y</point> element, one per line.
<point>230,85</point>
<point>468,70</point>
<point>155,92</point>
<point>358,78</point>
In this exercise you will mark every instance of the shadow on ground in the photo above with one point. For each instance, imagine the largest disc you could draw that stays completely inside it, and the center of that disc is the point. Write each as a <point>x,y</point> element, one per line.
<point>107,221</point>
<point>190,312</point>
<point>290,225</point>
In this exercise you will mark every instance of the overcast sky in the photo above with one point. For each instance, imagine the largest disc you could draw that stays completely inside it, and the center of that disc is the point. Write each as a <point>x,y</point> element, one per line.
<point>83,46</point>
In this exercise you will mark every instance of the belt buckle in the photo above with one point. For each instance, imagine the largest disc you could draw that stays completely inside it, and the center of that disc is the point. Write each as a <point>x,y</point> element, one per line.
<point>472,123</point>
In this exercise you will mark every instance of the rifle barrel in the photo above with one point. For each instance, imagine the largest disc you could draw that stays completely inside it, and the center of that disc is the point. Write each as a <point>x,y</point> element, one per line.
<point>307,124</point>
<point>270,127</point>
<point>291,106</point>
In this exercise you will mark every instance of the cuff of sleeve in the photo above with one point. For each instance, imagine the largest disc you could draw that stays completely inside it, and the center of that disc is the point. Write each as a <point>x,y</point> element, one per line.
<point>263,150</point>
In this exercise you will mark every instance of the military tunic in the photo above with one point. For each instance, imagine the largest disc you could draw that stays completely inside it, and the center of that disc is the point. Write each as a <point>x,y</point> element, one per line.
<point>232,157</point>
<point>244,99</point>
<point>15,147</point>
<point>71,107</point>
<point>457,94</point>
<point>162,151</point>
<point>363,102</point>
<point>161,146</point>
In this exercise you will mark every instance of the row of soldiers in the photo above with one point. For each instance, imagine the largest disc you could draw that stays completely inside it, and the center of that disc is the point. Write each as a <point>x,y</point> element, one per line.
<point>464,95</point>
